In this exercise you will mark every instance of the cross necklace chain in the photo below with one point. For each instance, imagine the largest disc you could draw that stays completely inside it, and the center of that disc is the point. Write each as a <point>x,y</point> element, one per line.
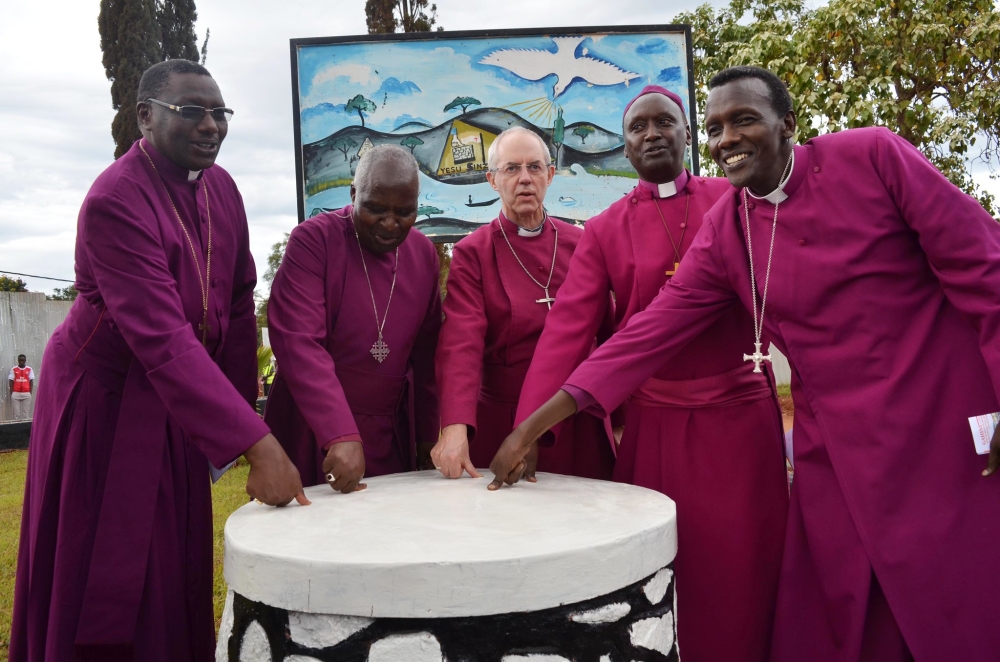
<point>203,282</point>
<point>380,350</point>
<point>547,300</point>
<point>759,357</point>
<point>680,242</point>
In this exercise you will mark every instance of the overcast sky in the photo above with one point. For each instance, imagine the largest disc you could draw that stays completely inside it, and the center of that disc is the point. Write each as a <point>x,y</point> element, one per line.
<point>55,105</point>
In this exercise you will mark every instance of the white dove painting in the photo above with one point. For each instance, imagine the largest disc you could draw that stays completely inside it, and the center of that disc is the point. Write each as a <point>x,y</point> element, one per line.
<point>536,64</point>
<point>446,97</point>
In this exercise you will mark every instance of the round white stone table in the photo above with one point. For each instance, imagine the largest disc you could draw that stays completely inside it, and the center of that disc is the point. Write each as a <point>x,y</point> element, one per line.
<point>419,568</point>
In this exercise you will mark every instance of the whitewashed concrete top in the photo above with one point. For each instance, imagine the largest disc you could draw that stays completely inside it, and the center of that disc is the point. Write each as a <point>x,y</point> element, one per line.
<point>420,545</point>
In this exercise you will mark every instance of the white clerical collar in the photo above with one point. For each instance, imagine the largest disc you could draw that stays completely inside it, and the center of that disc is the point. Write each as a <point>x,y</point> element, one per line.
<point>778,195</point>
<point>531,234</point>
<point>525,232</point>
<point>193,175</point>
<point>667,190</point>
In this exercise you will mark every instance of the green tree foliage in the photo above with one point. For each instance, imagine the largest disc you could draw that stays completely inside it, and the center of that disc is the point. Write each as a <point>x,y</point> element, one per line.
<point>387,16</point>
<point>177,37</point>
<point>8,284</point>
<point>927,69</point>
<point>204,46</point>
<point>136,34</point>
<point>130,41</point>
<point>273,262</point>
<point>464,102</point>
<point>63,294</point>
<point>583,131</point>
<point>411,142</point>
<point>360,103</point>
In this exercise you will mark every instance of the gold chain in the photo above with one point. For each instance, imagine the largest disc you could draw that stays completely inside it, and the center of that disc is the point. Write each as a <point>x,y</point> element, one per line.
<point>203,327</point>
<point>677,247</point>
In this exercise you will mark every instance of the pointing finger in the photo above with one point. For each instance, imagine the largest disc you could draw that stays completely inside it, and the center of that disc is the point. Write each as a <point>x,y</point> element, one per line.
<point>301,498</point>
<point>468,466</point>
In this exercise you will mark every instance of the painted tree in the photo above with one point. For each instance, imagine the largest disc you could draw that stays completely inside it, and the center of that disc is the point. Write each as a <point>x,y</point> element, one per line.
<point>927,69</point>
<point>464,102</point>
<point>428,211</point>
<point>411,142</point>
<point>558,136</point>
<point>344,144</point>
<point>583,131</point>
<point>360,103</point>
<point>8,284</point>
<point>387,16</point>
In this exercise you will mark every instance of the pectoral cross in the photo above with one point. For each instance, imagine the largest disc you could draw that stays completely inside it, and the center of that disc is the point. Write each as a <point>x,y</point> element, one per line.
<point>547,300</point>
<point>676,267</point>
<point>204,327</point>
<point>757,357</point>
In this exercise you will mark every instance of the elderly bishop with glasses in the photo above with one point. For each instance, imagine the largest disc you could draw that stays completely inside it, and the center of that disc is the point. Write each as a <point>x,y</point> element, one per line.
<point>149,379</point>
<point>503,280</point>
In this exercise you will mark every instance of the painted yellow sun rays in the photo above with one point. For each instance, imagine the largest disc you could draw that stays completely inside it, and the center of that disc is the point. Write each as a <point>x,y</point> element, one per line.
<point>540,110</point>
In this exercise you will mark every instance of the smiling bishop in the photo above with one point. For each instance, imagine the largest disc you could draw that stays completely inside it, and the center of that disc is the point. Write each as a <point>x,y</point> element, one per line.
<point>504,278</point>
<point>354,316</point>
<point>704,429</point>
<point>878,278</point>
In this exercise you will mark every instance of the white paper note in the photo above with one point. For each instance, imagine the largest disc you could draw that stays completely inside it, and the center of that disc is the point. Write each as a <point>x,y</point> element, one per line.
<point>982,431</point>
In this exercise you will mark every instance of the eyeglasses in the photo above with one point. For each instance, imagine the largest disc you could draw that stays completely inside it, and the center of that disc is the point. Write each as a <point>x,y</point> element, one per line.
<point>196,113</point>
<point>514,169</point>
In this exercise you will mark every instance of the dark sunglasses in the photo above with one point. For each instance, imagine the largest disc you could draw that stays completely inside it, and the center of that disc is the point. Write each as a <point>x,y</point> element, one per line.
<point>196,113</point>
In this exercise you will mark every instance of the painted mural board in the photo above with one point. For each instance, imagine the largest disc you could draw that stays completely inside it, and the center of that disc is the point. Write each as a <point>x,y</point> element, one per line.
<point>446,96</point>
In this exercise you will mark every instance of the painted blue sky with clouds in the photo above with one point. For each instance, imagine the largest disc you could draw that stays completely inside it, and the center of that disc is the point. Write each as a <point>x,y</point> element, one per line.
<point>414,80</point>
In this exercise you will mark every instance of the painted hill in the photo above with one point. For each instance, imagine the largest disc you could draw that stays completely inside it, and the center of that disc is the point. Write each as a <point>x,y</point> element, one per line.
<point>455,151</point>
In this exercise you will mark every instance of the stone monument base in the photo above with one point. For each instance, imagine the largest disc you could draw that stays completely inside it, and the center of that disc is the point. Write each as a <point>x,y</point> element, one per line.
<point>634,623</point>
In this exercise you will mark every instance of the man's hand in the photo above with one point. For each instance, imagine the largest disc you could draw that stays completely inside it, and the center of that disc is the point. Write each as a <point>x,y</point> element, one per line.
<point>511,461</point>
<point>518,454</point>
<point>345,464</point>
<point>994,458</point>
<point>273,478</point>
<point>451,453</point>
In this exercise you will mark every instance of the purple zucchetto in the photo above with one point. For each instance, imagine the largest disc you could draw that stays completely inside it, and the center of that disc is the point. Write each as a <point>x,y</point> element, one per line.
<point>656,89</point>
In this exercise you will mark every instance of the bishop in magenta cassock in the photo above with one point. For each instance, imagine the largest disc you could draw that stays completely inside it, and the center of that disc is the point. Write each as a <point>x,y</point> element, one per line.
<point>502,281</point>
<point>881,290</point>
<point>150,378</point>
<point>704,429</point>
<point>354,316</point>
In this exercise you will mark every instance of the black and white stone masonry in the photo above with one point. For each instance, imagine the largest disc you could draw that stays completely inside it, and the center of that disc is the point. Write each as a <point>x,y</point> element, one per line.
<point>417,569</point>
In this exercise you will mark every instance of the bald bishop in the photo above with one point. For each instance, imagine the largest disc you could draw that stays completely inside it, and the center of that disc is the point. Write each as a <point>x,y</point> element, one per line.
<point>354,316</point>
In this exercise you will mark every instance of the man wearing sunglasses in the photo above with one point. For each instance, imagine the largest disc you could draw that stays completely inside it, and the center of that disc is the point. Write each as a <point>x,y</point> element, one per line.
<point>152,378</point>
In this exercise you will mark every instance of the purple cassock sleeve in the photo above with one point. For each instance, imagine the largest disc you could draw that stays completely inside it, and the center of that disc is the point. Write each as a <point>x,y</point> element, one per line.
<point>463,340</point>
<point>297,318</point>
<point>129,263</point>
<point>582,309</point>
<point>960,238</point>
<point>686,306</point>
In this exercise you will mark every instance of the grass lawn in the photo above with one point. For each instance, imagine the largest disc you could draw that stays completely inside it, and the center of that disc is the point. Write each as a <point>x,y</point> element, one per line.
<point>227,495</point>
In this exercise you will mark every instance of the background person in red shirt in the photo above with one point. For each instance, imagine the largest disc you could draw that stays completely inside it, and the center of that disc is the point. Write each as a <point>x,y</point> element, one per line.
<point>22,382</point>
